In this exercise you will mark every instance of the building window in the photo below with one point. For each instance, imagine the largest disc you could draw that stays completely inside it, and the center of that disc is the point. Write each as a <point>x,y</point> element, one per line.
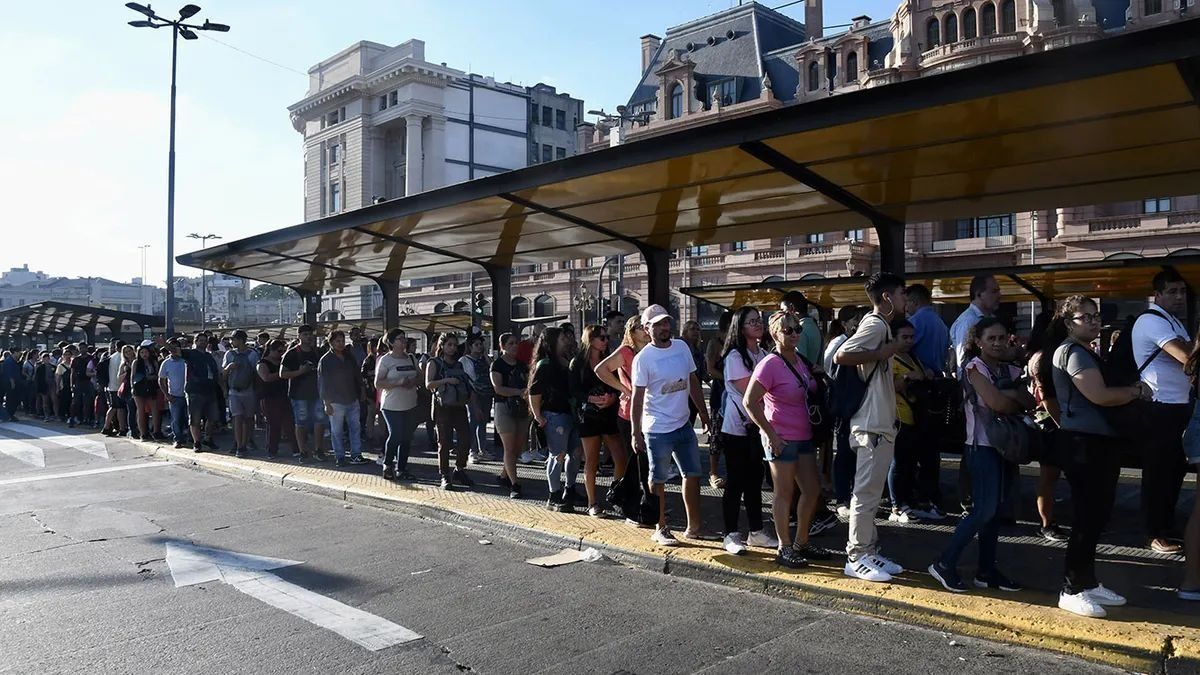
<point>547,153</point>
<point>984,226</point>
<point>814,76</point>
<point>383,102</point>
<point>933,33</point>
<point>335,116</point>
<point>547,116</point>
<point>1160,205</point>
<point>335,153</point>
<point>560,119</point>
<point>543,305</point>
<point>854,235</point>
<point>676,101</point>
<point>520,308</point>
<point>1153,7</point>
<point>560,153</point>
<point>693,251</point>
<point>441,308</point>
<point>1008,17</point>
<point>818,238</point>
<point>970,24</point>
<point>852,67</point>
<point>725,89</point>
<point>335,197</point>
<point>989,20</point>
<point>394,98</point>
<point>737,246</point>
<point>951,31</point>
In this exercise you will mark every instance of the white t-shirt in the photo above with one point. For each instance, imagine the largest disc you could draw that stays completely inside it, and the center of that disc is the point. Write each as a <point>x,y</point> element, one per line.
<point>830,350</point>
<point>395,369</point>
<point>878,412</point>
<point>114,373</point>
<point>666,375</point>
<point>735,417</point>
<point>1164,375</point>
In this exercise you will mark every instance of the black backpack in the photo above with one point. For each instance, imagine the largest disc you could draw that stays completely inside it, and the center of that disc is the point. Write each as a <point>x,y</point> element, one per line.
<point>849,390</point>
<point>1122,368</point>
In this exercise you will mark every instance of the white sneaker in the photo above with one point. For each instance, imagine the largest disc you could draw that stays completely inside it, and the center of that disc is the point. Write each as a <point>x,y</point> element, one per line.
<point>866,570</point>
<point>1103,596</point>
<point>663,537</point>
<point>474,458</point>
<point>734,543</point>
<point>762,539</point>
<point>885,564</point>
<point>904,516</point>
<point>1081,604</point>
<point>843,513</point>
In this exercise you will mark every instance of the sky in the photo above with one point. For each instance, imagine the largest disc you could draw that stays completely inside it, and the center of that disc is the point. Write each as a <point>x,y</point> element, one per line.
<point>84,176</point>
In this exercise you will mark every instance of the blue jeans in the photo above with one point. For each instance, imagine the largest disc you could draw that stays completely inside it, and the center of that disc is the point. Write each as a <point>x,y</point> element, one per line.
<point>680,445</point>
<point>903,472</point>
<point>345,415</point>
<point>562,439</point>
<point>845,464</point>
<point>991,477</point>
<point>179,418</point>
<point>400,425</point>
<point>478,414</point>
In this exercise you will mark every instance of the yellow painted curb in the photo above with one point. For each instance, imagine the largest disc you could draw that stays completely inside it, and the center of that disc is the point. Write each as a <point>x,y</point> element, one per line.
<point>1132,638</point>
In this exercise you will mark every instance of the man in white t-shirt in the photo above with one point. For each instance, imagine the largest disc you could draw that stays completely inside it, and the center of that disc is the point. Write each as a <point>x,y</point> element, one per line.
<point>1160,341</point>
<point>873,426</point>
<point>115,418</point>
<point>664,378</point>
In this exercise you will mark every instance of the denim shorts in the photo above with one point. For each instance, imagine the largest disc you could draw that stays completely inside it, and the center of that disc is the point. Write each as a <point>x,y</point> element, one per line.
<point>309,414</point>
<point>1191,437</point>
<point>681,445</point>
<point>791,451</point>
<point>562,436</point>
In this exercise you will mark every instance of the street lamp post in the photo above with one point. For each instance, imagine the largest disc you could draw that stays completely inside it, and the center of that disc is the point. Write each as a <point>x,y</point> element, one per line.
<point>203,287</point>
<point>188,31</point>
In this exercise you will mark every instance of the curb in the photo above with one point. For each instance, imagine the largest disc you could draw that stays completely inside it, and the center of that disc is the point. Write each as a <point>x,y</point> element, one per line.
<point>1156,645</point>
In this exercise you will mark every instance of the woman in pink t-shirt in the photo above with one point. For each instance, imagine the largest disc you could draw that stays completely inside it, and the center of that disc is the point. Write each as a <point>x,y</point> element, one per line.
<point>777,401</point>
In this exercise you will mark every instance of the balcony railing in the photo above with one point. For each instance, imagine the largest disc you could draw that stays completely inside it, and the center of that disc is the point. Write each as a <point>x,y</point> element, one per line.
<point>1183,218</point>
<point>1116,223</point>
<point>970,44</point>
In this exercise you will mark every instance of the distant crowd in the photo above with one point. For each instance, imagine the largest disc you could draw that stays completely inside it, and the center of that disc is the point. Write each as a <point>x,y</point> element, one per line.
<point>830,421</point>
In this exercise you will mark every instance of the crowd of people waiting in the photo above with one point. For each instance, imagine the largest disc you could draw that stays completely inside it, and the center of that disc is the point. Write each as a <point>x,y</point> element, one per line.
<point>869,407</point>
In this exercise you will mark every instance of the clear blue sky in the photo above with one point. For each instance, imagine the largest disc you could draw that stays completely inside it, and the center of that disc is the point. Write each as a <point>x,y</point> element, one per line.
<point>84,176</point>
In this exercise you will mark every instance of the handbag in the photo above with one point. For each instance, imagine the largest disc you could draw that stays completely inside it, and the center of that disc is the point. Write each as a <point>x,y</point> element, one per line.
<point>1015,437</point>
<point>819,416</point>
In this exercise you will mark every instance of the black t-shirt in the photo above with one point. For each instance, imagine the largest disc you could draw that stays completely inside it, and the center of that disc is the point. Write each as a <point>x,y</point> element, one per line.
<point>585,382</point>
<point>552,382</point>
<point>200,372</point>
<point>79,369</point>
<point>515,376</point>
<point>275,389</point>
<point>303,388</point>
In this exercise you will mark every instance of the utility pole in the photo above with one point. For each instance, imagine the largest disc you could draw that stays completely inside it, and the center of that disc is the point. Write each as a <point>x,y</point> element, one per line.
<point>203,286</point>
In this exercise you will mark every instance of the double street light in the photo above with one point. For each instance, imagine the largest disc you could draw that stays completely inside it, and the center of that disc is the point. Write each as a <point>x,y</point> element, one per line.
<point>203,287</point>
<point>188,32</point>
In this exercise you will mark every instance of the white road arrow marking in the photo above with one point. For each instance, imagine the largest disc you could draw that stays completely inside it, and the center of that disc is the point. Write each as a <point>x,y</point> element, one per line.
<point>22,451</point>
<point>80,443</point>
<point>248,574</point>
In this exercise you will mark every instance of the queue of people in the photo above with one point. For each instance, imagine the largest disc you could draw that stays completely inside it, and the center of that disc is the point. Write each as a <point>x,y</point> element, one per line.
<point>870,407</point>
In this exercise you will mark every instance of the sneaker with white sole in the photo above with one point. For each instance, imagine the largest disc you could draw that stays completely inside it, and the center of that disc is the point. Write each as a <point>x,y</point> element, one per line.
<point>1189,595</point>
<point>903,516</point>
<point>733,543</point>
<point>931,512</point>
<point>1106,597</point>
<point>663,537</point>
<point>526,457</point>
<point>822,523</point>
<point>886,564</point>
<point>1081,604</point>
<point>762,539</point>
<point>866,570</point>
<point>843,513</point>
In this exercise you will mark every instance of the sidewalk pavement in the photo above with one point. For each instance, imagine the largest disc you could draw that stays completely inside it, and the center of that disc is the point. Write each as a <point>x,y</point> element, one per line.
<point>1155,633</point>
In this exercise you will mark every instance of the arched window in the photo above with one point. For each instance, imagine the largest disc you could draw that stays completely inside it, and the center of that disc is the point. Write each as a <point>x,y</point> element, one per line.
<point>520,308</point>
<point>1008,17</point>
<point>852,67</point>
<point>461,306</point>
<point>951,28</point>
<point>988,26</point>
<point>441,308</point>
<point>814,76</point>
<point>676,101</point>
<point>772,279</point>
<point>933,33</point>
<point>970,27</point>
<point>543,306</point>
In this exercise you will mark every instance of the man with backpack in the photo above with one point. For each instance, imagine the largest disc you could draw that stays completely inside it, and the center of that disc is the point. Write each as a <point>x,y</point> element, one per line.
<point>873,422</point>
<point>1160,345</point>
<point>240,365</point>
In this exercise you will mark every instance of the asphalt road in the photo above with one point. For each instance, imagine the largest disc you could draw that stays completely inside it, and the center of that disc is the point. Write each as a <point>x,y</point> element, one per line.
<point>85,587</point>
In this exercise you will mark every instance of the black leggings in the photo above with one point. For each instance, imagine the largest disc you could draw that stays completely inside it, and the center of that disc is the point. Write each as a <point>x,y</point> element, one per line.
<point>743,482</point>
<point>1092,469</point>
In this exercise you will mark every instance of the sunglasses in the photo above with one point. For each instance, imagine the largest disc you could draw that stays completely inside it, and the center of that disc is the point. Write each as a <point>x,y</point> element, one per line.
<point>1087,318</point>
<point>790,330</point>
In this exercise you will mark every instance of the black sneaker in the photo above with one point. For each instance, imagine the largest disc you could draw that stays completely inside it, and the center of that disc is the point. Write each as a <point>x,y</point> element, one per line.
<point>295,454</point>
<point>339,462</point>
<point>405,477</point>
<point>1054,533</point>
<point>996,580</point>
<point>446,484</point>
<point>948,578</point>
<point>199,448</point>
<point>822,523</point>
<point>555,503</point>
<point>241,453</point>
<point>571,497</point>
<point>359,460</point>
<point>810,552</point>
<point>514,491</point>
<point>322,456</point>
<point>389,473</point>
<point>212,446</point>
<point>790,558</point>
<point>178,445</point>
<point>459,476</point>
<point>503,480</point>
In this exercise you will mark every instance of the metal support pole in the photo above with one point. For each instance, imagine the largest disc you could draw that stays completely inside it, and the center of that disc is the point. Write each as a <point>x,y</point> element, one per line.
<point>391,303</point>
<point>658,275</point>
<point>501,302</point>
<point>620,282</point>
<point>170,308</point>
<point>471,303</point>
<point>891,246</point>
<point>312,307</point>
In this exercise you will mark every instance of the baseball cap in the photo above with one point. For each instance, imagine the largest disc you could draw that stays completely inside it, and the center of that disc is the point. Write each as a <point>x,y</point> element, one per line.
<point>147,343</point>
<point>653,314</point>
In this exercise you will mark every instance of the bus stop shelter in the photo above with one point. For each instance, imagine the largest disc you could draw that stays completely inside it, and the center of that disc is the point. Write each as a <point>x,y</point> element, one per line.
<point>1124,125</point>
<point>428,325</point>
<point>52,319</point>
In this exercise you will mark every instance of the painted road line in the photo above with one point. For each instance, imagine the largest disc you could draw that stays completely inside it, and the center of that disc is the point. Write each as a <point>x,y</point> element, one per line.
<point>249,574</point>
<point>85,472</point>
<point>23,451</point>
<point>80,443</point>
